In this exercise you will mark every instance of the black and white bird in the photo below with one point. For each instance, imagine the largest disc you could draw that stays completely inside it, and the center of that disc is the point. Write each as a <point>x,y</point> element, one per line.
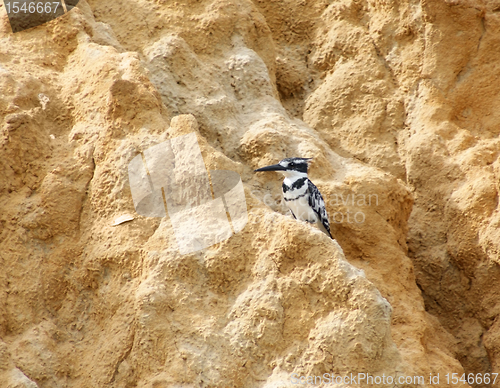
<point>301,196</point>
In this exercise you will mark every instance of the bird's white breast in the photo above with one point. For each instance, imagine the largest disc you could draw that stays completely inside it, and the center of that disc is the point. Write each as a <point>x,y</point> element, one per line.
<point>297,200</point>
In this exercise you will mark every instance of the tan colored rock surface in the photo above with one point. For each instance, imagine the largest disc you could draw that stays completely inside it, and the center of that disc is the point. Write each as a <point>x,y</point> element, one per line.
<point>395,101</point>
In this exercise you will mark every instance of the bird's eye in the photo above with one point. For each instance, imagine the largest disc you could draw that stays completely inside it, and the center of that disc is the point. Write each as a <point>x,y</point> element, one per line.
<point>292,164</point>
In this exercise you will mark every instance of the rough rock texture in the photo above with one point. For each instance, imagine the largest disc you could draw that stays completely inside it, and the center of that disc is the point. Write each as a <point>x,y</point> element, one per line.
<point>394,100</point>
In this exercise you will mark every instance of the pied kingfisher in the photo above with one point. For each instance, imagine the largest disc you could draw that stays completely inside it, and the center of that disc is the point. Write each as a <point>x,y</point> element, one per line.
<point>301,196</point>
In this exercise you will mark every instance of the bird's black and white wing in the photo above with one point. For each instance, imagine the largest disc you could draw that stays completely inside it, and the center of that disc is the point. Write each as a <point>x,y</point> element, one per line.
<point>318,205</point>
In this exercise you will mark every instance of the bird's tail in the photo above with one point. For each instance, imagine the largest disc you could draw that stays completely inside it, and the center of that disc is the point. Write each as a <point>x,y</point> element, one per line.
<point>324,229</point>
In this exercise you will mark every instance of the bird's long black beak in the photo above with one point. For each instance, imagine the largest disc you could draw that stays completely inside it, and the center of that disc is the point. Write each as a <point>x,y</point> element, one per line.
<point>274,167</point>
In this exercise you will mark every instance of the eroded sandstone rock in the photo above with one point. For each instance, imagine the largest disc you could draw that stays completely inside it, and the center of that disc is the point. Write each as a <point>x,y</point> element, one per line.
<point>393,100</point>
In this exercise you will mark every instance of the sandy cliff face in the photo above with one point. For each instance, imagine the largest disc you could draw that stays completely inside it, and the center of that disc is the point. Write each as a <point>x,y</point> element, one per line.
<point>395,101</point>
